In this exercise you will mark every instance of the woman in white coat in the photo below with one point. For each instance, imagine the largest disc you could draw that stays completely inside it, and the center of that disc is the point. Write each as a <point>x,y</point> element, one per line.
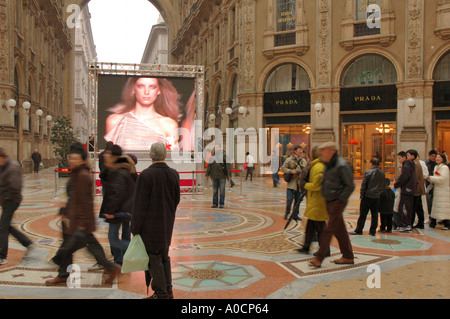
<point>441,198</point>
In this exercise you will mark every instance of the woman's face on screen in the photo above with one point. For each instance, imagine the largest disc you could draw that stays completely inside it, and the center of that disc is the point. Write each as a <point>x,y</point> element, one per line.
<point>146,91</point>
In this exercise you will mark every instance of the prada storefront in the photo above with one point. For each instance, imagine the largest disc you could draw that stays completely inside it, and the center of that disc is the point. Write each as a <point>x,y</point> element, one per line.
<point>368,101</point>
<point>287,107</point>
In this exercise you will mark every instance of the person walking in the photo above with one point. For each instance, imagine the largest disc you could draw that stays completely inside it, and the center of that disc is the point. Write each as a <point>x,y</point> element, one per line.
<point>156,199</point>
<point>441,198</point>
<point>101,165</point>
<point>79,220</point>
<point>386,208</point>
<point>218,170</point>
<point>431,164</point>
<point>293,167</point>
<point>407,184</point>
<point>337,186</point>
<point>118,200</point>
<point>372,186</point>
<point>316,208</point>
<point>10,199</point>
<point>37,160</point>
<point>275,167</point>
<point>250,165</point>
<point>413,155</point>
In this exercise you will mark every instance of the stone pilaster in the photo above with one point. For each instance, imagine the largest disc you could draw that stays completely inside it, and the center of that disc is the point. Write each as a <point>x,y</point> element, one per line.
<point>413,125</point>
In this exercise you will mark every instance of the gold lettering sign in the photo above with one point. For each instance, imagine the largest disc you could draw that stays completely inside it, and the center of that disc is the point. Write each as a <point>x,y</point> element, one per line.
<point>286,102</point>
<point>286,16</point>
<point>367,98</point>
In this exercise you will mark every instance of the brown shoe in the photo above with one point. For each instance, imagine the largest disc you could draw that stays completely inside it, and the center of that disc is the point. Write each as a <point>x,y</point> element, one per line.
<point>112,274</point>
<point>316,263</point>
<point>57,281</point>
<point>343,261</point>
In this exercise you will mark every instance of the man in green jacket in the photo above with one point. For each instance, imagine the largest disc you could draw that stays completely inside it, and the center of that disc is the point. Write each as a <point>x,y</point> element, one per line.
<point>219,170</point>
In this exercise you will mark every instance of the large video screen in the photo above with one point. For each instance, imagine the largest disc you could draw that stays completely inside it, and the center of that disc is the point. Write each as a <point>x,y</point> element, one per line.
<point>135,112</point>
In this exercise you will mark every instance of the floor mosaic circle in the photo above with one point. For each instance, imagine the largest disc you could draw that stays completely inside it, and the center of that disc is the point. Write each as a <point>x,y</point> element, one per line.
<point>207,223</point>
<point>213,275</point>
<point>390,243</point>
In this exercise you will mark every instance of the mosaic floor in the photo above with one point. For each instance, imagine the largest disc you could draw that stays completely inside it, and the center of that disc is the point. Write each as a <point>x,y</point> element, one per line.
<point>239,252</point>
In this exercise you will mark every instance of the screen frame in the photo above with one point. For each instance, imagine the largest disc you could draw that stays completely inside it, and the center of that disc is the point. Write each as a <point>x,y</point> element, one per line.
<point>167,71</point>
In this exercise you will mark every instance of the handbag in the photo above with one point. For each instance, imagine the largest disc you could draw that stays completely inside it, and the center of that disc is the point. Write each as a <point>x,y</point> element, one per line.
<point>245,165</point>
<point>136,257</point>
<point>287,177</point>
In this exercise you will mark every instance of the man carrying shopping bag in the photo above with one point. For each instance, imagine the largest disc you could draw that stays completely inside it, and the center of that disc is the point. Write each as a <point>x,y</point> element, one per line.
<point>157,196</point>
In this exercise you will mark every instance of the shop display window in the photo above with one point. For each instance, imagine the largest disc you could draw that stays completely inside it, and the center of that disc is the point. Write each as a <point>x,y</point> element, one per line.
<point>362,142</point>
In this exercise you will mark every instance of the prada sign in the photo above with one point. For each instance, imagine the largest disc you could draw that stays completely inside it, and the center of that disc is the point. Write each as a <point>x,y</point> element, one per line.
<point>287,102</point>
<point>369,98</point>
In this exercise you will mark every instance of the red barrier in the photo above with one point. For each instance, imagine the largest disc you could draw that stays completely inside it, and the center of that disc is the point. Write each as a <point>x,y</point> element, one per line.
<point>69,170</point>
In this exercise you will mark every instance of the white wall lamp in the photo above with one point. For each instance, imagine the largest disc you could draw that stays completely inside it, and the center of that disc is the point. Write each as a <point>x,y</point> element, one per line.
<point>228,111</point>
<point>39,112</point>
<point>10,104</point>
<point>26,106</point>
<point>243,111</point>
<point>49,118</point>
<point>212,117</point>
<point>319,108</point>
<point>411,103</point>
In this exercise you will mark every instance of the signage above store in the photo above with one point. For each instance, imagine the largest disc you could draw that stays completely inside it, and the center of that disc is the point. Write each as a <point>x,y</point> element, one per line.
<point>364,98</point>
<point>287,102</point>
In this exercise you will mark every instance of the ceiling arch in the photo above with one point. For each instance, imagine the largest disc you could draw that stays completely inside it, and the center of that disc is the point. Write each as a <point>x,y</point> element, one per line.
<point>165,7</point>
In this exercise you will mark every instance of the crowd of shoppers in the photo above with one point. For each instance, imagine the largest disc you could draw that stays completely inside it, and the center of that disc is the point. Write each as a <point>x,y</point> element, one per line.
<point>146,204</point>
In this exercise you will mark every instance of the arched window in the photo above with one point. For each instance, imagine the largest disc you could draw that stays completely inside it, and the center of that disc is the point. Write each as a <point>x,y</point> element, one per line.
<point>369,69</point>
<point>442,71</point>
<point>287,77</point>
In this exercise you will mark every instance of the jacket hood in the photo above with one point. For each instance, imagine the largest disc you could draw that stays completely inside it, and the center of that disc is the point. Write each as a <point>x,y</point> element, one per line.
<point>315,161</point>
<point>81,167</point>
<point>123,161</point>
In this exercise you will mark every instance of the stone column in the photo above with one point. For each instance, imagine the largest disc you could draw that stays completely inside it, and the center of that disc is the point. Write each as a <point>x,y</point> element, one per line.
<point>414,123</point>
<point>324,126</point>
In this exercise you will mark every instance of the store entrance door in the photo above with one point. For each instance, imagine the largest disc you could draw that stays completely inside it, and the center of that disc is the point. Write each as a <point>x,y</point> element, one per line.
<point>443,137</point>
<point>362,142</point>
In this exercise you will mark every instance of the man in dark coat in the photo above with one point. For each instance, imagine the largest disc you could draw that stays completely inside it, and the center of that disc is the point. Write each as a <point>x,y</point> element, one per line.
<point>337,187</point>
<point>372,186</point>
<point>407,183</point>
<point>117,201</point>
<point>79,220</point>
<point>10,199</point>
<point>37,159</point>
<point>157,196</point>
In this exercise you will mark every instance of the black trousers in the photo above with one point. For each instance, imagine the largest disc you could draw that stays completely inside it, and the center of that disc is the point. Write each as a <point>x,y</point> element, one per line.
<point>418,209</point>
<point>36,167</point>
<point>8,209</point>
<point>366,205</point>
<point>71,243</point>
<point>405,209</point>
<point>312,227</point>
<point>386,222</point>
<point>160,271</point>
